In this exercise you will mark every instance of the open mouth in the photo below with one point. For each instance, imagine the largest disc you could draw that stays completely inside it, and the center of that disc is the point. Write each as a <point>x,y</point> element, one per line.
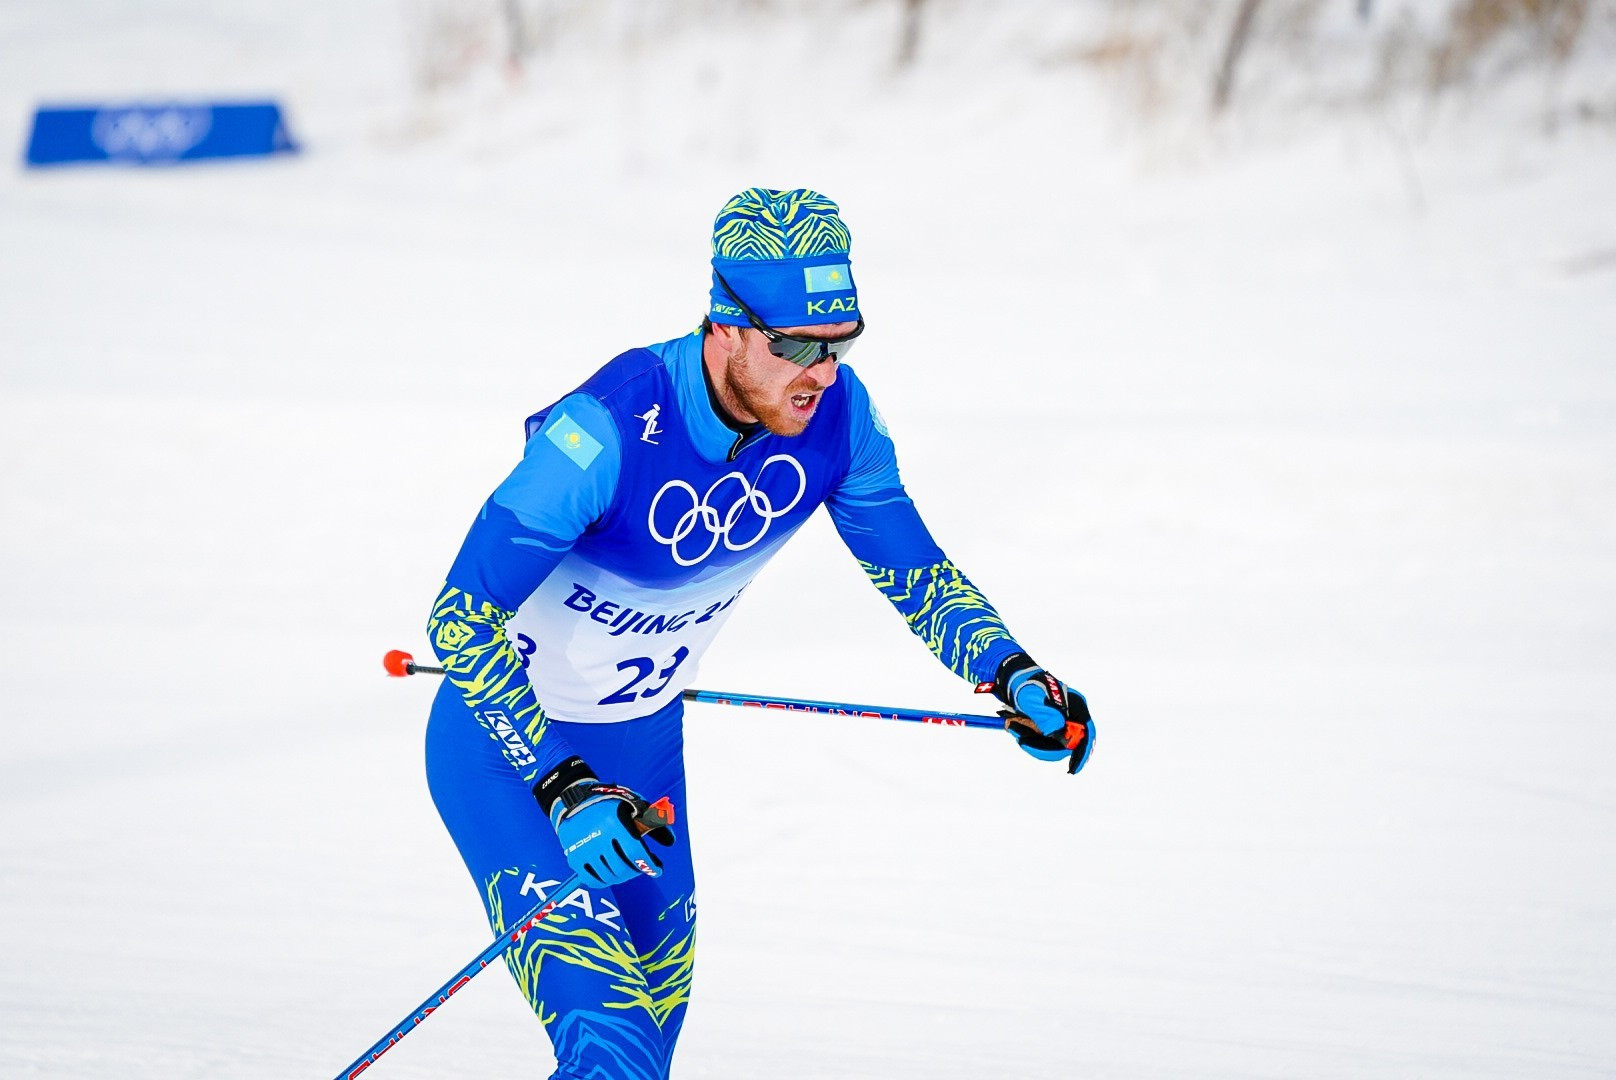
<point>804,402</point>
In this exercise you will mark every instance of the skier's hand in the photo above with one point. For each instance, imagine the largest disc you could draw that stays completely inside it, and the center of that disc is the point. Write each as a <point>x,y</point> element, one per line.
<point>1048,719</point>
<point>601,826</point>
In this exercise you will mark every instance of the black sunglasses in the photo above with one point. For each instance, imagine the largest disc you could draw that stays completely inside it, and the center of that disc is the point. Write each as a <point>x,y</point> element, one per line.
<point>804,352</point>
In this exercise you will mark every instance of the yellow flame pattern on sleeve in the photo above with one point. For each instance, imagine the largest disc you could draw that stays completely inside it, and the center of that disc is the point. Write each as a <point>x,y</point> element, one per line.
<point>468,635</point>
<point>945,611</point>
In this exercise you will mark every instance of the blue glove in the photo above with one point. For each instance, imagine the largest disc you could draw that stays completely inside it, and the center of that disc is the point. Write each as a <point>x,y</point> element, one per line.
<point>601,826</point>
<point>1048,719</point>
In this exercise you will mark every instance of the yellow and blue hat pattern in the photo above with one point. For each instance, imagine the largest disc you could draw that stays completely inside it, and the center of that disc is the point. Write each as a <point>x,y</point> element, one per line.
<point>785,254</point>
<point>762,223</point>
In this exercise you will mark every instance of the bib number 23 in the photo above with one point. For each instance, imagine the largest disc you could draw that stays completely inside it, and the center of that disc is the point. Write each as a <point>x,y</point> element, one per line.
<point>642,667</point>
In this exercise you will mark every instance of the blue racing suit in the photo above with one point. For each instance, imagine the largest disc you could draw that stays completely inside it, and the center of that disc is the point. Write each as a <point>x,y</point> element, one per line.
<point>579,607</point>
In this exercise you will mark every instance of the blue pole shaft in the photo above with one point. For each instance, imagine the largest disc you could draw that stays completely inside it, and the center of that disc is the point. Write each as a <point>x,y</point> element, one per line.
<point>460,978</point>
<point>402,663</point>
<point>839,708</point>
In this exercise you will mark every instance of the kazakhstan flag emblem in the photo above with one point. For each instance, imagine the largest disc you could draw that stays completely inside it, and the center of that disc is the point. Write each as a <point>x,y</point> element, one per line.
<point>574,441</point>
<point>837,277</point>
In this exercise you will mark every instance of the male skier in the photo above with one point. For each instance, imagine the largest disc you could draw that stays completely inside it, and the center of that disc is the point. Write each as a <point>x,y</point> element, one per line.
<point>597,573</point>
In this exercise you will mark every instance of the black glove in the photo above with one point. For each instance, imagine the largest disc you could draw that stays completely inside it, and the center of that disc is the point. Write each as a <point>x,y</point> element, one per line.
<point>1049,719</point>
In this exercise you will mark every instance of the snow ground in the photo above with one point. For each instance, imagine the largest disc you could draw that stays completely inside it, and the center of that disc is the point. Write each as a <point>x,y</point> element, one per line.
<point>1300,460</point>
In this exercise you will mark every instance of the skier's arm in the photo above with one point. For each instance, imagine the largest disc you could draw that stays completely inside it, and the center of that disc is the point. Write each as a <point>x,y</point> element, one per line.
<point>883,530</point>
<point>881,527</point>
<point>566,480</point>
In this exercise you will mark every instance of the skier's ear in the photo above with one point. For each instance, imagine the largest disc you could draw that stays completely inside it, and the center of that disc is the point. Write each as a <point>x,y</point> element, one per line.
<point>731,341</point>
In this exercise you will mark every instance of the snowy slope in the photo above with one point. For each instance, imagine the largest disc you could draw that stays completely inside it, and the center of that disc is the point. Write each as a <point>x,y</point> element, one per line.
<point>1299,459</point>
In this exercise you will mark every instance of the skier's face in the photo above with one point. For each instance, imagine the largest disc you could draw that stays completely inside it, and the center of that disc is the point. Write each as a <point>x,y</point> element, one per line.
<point>759,386</point>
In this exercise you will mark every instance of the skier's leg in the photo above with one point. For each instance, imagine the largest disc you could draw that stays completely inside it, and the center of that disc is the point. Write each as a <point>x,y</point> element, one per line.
<point>660,913</point>
<point>579,968</point>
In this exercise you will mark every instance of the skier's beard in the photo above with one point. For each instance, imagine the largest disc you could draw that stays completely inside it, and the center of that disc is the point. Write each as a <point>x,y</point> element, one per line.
<point>773,412</point>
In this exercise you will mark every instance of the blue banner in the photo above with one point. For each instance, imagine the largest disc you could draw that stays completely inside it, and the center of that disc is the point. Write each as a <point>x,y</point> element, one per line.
<point>157,134</point>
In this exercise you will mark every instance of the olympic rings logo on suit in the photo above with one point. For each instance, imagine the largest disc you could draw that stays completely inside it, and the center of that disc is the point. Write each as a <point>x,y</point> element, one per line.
<point>718,525</point>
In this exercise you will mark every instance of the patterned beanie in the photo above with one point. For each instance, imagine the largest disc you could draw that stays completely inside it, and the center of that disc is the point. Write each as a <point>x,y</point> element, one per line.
<point>785,255</point>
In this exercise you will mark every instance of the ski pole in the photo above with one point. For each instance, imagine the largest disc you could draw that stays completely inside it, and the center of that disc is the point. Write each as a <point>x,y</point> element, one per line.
<point>656,815</point>
<point>840,708</point>
<point>460,978</point>
<point>400,663</point>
